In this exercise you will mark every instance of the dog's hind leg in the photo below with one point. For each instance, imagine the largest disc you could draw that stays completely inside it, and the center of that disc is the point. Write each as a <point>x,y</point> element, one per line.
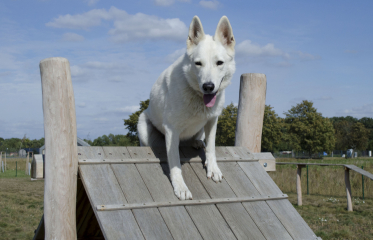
<point>147,133</point>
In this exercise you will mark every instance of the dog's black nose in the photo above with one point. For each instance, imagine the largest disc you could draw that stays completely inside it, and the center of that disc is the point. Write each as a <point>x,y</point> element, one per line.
<point>208,87</point>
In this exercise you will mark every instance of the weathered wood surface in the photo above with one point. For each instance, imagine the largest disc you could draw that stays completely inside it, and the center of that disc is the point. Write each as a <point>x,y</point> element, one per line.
<point>318,164</point>
<point>299,185</point>
<point>348,189</point>
<point>143,204</point>
<point>103,188</point>
<point>110,186</point>
<point>260,212</point>
<point>158,160</point>
<point>150,220</point>
<point>250,113</point>
<point>177,219</point>
<point>361,171</point>
<point>266,160</point>
<point>60,133</point>
<point>285,212</point>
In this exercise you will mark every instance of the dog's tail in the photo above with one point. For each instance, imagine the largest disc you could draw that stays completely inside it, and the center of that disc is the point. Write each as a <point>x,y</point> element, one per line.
<point>147,133</point>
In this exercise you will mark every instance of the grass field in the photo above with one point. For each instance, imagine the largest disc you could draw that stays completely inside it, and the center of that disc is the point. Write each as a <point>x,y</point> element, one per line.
<point>21,200</point>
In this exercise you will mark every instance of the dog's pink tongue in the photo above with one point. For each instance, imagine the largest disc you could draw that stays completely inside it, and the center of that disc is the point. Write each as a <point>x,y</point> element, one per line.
<point>209,99</point>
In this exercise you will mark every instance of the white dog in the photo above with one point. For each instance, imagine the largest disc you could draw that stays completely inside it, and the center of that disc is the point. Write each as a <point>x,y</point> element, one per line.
<point>188,97</point>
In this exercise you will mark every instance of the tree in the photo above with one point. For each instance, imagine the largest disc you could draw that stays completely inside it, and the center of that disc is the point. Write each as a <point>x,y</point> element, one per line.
<point>368,123</point>
<point>308,130</point>
<point>131,123</point>
<point>111,140</point>
<point>351,135</point>
<point>226,129</point>
<point>272,126</point>
<point>335,120</point>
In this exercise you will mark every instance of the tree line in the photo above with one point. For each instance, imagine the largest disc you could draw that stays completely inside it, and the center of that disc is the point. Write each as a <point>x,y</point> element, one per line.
<point>14,144</point>
<point>302,129</point>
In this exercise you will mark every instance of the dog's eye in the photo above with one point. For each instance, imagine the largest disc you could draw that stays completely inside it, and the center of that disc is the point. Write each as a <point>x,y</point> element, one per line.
<point>198,63</point>
<point>219,63</point>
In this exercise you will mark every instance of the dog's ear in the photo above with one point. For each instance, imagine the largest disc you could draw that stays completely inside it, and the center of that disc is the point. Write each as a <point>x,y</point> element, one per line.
<point>196,33</point>
<point>224,33</point>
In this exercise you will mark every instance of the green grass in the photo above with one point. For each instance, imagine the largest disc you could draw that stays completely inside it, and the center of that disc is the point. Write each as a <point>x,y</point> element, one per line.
<point>11,165</point>
<point>328,180</point>
<point>328,218</point>
<point>21,207</point>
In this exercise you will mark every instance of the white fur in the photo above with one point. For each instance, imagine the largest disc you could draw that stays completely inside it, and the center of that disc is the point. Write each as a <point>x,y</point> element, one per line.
<point>177,110</point>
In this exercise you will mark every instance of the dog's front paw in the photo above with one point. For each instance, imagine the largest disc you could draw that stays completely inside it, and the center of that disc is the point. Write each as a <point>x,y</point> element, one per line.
<point>197,144</point>
<point>180,188</point>
<point>213,171</point>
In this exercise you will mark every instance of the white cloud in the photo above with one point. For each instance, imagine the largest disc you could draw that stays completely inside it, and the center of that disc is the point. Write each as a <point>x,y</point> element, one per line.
<point>175,55</point>
<point>209,4</point>
<point>164,2</point>
<point>82,21</point>
<point>255,50</point>
<point>91,2</point>
<point>307,57</point>
<point>359,112</point>
<point>127,27</point>
<point>72,37</point>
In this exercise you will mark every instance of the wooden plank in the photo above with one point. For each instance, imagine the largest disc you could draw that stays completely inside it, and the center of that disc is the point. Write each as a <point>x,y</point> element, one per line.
<point>150,220</point>
<point>158,160</point>
<point>177,219</point>
<point>116,153</point>
<point>361,171</point>
<point>235,214</point>
<point>207,218</point>
<point>283,209</point>
<point>266,160</point>
<point>90,153</point>
<point>148,204</point>
<point>318,164</point>
<point>259,178</point>
<point>103,188</point>
<point>260,212</point>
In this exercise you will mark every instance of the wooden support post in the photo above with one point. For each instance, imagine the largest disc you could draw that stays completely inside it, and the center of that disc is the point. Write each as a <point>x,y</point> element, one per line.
<point>5,160</point>
<point>251,111</point>
<point>61,163</point>
<point>1,157</point>
<point>27,161</point>
<point>348,189</point>
<point>299,184</point>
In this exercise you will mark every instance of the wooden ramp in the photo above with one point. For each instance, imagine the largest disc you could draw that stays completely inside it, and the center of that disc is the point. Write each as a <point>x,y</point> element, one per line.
<point>125,193</point>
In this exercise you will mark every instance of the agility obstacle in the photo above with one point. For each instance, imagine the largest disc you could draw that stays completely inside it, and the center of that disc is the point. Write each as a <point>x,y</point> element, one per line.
<point>125,192</point>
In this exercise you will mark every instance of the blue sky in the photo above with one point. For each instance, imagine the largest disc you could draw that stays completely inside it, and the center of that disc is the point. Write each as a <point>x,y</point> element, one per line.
<point>314,50</point>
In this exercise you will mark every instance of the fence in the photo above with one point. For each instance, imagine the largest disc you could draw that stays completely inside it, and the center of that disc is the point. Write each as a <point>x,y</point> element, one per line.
<point>305,154</point>
<point>15,166</point>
